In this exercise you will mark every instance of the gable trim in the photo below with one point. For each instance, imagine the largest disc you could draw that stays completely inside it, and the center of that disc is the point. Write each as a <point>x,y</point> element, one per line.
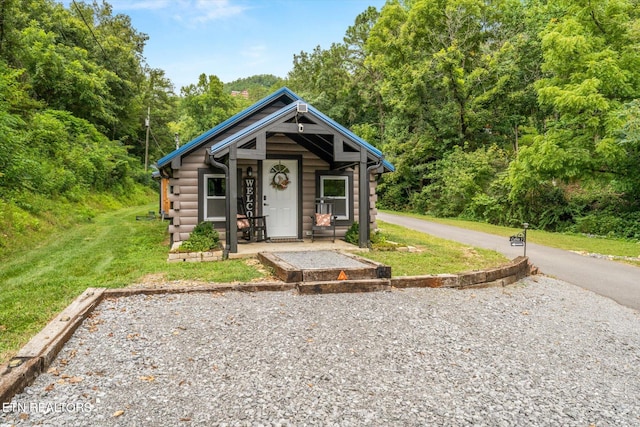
<point>326,126</point>
<point>194,143</point>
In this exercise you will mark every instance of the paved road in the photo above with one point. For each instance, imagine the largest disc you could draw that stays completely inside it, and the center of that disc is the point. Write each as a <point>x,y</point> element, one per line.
<point>620,282</point>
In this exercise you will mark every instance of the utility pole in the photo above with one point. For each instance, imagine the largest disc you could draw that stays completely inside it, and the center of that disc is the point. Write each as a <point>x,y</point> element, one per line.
<point>146,145</point>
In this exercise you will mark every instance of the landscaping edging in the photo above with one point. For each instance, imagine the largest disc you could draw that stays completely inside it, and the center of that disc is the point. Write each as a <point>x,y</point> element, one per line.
<point>195,256</point>
<point>39,352</point>
<point>36,356</point>
<point>504,275</point>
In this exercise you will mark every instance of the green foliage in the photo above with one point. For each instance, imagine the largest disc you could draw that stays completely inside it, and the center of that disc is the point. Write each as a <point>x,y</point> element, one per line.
<point>377,238</point>
<point>496,111</point>
<point>258,86</point>
<point>71,85</point>
<point>204,105</point>
<point>457,179</point>
<point>83,60</point>
<point>160,101</point>
<point>609,225</point>
<point>352,234</point>
<point>590,54</point>
<point>379,242</point>
<point>321,79</point>
<point>203,238</point>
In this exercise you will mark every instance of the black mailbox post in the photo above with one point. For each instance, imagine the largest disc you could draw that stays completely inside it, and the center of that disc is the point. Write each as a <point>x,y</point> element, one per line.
<point>520,239</point>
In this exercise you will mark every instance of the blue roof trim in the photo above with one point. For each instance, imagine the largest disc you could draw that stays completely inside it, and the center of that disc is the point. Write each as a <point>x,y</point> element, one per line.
<point>353,136</point>
<point>286,110</point>
<point>221,145</point>
<point>226,124</point>
<point>194,143</point>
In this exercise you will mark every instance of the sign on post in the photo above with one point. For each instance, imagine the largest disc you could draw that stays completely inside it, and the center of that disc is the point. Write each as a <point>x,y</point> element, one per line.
<point>249,196</point>
<point>520,239</point>
<point>517,239</point>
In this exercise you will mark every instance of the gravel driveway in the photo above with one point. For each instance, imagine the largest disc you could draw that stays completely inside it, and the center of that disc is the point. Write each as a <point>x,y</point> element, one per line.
<point>541,352</point>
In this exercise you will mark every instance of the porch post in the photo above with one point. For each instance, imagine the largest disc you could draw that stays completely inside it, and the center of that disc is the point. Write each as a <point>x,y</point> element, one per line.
<point>363,200</point>
<point>233,196</point>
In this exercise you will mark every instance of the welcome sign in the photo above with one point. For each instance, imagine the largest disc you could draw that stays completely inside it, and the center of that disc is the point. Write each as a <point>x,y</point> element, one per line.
<point>249,195</point>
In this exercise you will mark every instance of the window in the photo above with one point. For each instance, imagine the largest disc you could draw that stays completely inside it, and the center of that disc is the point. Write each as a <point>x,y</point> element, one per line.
<point>336,187</point>
<point>214,197</point>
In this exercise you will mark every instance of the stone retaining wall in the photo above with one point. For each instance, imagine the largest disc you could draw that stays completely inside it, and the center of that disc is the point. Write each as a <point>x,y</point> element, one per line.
<point>194,256</point>
<point>500,276</point>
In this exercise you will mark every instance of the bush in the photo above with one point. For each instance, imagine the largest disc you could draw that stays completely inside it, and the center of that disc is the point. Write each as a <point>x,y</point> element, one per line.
<point>378,240</point>
<point>610,225</point>
<point>203,238</point>
<point>459,178</point>
<point>353,234</point>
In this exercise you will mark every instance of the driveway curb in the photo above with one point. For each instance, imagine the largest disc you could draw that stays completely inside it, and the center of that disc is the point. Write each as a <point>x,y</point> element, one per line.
<point>40,351</point>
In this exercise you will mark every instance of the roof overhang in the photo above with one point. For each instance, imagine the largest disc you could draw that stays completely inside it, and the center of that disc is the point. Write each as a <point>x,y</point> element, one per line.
<point>284,95</point>
<point>321,135</point>
<point>311,129</point>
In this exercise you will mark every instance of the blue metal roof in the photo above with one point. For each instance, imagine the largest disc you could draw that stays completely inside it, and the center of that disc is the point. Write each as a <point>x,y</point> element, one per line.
<point>194,143</point>
<point>265,121</point>
<point>250,129</point>
<point>353,136</point>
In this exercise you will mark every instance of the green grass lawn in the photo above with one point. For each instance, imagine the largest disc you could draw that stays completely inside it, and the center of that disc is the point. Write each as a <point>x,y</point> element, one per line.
<point>434,256</point>
<point>112,251</point>
<point>573,242</point>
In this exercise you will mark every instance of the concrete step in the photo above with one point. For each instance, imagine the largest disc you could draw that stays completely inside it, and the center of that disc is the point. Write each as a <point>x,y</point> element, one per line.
<point>318,266</point>
<point>343,286</point>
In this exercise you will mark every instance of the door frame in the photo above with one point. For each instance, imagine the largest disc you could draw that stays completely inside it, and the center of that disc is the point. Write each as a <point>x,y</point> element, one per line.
<point>297,157</point>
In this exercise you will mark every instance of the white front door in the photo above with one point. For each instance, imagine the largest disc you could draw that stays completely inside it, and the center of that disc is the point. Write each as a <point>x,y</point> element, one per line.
<point>280,197</point>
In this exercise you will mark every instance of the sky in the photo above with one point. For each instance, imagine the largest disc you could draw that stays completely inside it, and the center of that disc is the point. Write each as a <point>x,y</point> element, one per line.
<point>233,39</point>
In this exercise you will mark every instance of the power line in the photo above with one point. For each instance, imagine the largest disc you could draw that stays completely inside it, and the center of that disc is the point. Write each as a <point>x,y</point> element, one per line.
<point>157,143</point>
<point>106,57</point>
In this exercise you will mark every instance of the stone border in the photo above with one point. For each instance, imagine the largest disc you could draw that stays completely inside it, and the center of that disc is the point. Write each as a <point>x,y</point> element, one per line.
<point>195,256</point>
<point>36,356</point>
<point>501,276</point>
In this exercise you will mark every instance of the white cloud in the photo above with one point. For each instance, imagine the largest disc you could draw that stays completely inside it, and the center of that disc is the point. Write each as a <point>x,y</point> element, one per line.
<point>211,10</point>
<point>186,11</point>
<point>140,4</point>
<point>255,52</point>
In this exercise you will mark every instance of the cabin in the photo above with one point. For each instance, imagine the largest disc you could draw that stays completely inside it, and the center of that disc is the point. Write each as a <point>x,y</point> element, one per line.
<point>277,162</point>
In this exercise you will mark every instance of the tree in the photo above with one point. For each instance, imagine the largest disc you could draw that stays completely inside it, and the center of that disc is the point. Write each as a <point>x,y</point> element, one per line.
<point>258,86</point>
<point>440,60</point>
<point>591,56</point>
<point>70,82</point>
<point>322,79</point>
<point>366,99</point>
<point>204,105</point>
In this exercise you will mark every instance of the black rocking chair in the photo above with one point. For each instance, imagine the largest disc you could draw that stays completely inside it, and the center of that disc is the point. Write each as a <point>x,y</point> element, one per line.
<point>253,228</point>
<point>323,220</point>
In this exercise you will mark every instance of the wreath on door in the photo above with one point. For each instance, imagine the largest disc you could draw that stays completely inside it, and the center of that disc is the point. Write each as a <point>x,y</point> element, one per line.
<point>280,179</point>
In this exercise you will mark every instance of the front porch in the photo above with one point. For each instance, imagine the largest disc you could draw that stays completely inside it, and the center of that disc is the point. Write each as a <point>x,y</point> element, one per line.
<point>251,250</point>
